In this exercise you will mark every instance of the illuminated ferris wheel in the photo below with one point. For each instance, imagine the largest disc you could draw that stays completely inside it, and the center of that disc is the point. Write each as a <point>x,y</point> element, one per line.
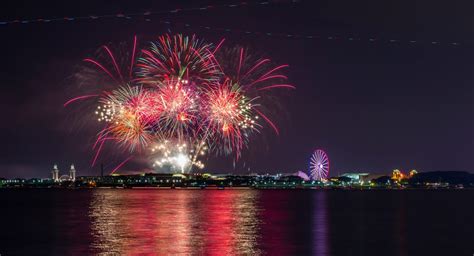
<point>319,165</point>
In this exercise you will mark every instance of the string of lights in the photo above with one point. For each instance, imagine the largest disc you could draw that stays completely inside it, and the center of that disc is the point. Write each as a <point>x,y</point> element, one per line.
<point>328,37</point>
<point>148,16</point>
<point>145,14</point>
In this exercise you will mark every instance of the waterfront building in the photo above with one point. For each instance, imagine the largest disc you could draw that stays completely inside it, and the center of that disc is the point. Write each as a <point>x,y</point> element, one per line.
<point>55,173</point>
<point>72,173</point>
<point>64,178</point>
<point>412,173</point>
<point>70,177</point>
<point>302,175</point>
<point>356,177</point>
<point>397,175</point>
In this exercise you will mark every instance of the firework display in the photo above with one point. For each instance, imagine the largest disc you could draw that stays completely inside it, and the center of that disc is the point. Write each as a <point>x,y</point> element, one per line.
<point>177,57</point>
<point>179,156</point>
<point>182,99</point>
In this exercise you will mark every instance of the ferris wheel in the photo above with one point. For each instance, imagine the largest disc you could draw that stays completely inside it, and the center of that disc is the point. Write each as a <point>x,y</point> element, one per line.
<point>319,165</point>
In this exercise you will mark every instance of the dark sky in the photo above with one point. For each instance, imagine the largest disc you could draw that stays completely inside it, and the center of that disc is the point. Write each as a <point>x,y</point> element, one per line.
<point>372,106</point>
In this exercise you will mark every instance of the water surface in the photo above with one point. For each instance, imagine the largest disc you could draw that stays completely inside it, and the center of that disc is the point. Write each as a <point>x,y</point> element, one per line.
<point>229,222</point>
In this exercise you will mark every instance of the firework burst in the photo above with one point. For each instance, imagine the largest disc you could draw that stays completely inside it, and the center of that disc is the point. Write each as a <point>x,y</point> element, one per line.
<point>129,113</point>
<point>179,108</point>
<point>185,98</point>
<point>178,156</point>
<point>228,117</point>
<point>173,57</point>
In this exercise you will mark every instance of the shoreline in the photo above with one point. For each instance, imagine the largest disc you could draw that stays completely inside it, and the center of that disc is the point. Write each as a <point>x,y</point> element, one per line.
<point>232,188</point>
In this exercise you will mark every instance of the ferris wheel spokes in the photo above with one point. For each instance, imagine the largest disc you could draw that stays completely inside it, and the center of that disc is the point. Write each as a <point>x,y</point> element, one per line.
<point>319,165</point>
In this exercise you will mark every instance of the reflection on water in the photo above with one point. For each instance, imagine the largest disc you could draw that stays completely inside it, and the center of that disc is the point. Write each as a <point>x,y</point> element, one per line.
<point>174,222</point>
<point>321,222</point>
<point>229,222</point>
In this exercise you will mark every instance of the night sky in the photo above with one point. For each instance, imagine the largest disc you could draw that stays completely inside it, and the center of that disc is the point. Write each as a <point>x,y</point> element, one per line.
<point>372,106</point>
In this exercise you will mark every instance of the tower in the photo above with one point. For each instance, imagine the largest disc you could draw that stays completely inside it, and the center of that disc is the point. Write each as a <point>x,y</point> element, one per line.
<point>55,173</point>
<point>72,173</point>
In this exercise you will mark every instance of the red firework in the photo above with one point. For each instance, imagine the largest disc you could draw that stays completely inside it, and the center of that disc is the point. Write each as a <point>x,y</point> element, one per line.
<point>178,57</point>
<point>179,104</point>
<point>182,92</point>
<point>228,117</point>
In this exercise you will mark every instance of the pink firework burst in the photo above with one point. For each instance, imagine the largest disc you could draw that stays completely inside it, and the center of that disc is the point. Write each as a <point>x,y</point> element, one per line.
<point>178,56</point>
<point>183,90</point>
<point>129,113</point>
<point>179,104</point>
<point>228,117</point>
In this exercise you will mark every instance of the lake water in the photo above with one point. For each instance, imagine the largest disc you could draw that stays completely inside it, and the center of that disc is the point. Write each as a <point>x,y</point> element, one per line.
<point>229,222</point>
